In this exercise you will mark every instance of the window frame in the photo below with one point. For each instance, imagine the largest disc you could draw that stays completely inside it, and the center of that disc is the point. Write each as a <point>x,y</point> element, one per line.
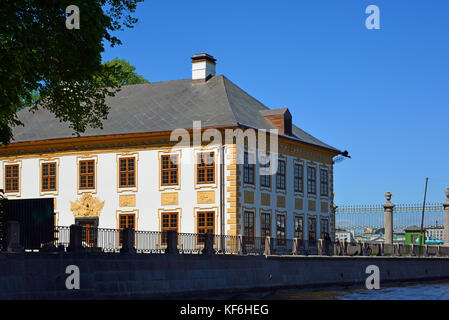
<point>311,180</point>
<point>126,216</point>
<point>49,176</point>
<point>281,240</point>
<point>295,225</point>
<point>324,182</point>
<point>127,172</point>
<point>94,174</point>
<point>263,221</point>
<point>311,231</point>
<point>12,178</point>
<point>206,226</point>
<point>280,175</point>
<point>169,170</point>
<point>249,231</point>
<point>247,169</point>
<point>205,168</point>
<point>170,215</point>
<point>298,180</point>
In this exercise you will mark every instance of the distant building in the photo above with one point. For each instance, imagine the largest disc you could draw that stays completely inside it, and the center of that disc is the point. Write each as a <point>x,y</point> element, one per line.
<point>344,235</point>
<point>437,232</point>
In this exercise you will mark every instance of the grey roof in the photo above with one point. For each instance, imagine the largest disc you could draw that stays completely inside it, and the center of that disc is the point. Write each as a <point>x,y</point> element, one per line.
<point>163,106</point>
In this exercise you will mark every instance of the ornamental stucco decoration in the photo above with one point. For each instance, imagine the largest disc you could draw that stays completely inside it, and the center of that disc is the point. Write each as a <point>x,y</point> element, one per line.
<point>86,206</point>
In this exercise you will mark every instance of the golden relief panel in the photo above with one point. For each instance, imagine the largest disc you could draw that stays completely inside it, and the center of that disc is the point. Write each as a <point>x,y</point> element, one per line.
<point>312,205</point>
<point>128,200</point>
<point>86,206</point>
<point>298,204</point>
<point>205,197</point>
<point>169,198</point>
<point>248,197</point>
<point>265,199</point>
<point>280,201</point>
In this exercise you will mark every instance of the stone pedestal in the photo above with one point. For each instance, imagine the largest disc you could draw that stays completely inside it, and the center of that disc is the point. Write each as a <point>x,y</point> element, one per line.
<point>128,241</point>
<point>388,219</point>
<point>208,244</point>
<point>446,218</point>
<point>172,242</point>
<point>13,237</point>
<point>76,244</point>
<point>267,251</point>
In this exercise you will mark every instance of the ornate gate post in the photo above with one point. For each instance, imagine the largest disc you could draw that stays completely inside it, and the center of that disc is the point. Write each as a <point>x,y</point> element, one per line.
<point>388,218</point>
<point>446,218</point>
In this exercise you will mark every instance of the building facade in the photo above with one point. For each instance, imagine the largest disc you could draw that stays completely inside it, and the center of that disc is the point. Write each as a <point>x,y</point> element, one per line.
<point>132,173</point>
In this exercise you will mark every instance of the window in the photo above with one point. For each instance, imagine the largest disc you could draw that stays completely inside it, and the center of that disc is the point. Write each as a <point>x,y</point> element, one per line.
<point>324,184</point>
<point>248,224</point>
<point>311,180</point>
<point>248,170</point>
<point>12,178</point>
<point>280,175</point>
<point>299,181</point>
<point>49,176</point>
<point>265,230</point>
<point>169,170</point>
<point>299,227</point>
<point>312,229</point>
<point>206,167</point>
<point>127,172</point>
<point>89,231</point>
<point>280,229</point>
<point>206,224</point>
<point>169,222</point>
<point>126,221</point>
<point>265,178</point>
<point>87,174</point>
<point>324,226</point>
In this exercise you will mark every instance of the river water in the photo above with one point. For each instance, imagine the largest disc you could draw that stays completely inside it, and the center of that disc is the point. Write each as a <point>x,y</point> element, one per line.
<point>404,291</point>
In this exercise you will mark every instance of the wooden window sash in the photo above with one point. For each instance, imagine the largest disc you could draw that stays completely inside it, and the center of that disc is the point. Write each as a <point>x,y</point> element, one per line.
<point>324,182</point>
<point>311,180</point>
<point>280,175</point>
<point>169,222</point>
<point>127,220</point>
<point>299,232</point>
<point>205,167</point>
<point>12,177</point>
<point>88,175</point>
<point>128,174</point>
<point>170,171</point>
<point>248,170</point>
<point>280,229</point>
<point>205,224</point>
<point>299,178</point>
<point>249,227</point>
<point>49,176</point>
<point>266,225</point>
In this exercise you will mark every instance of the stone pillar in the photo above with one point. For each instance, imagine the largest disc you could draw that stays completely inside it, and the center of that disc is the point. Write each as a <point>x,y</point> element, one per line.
<point>172,242</point>
<point>446,218</point>
<point>75,238</point>
<point>242,244</point>
<point>208,244</point>
<point>333,211</point>
<point>388,216</point>
<point>128,241</point>
<point>13,237</point>
<point>267,251</point>
<point>295,248</point>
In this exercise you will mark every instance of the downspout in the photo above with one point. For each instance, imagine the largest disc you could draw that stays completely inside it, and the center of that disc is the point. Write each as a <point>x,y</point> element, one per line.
<point>222,195</point>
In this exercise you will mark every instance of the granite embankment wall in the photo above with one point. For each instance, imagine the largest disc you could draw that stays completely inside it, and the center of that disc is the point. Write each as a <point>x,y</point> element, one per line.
<point>102,275</point>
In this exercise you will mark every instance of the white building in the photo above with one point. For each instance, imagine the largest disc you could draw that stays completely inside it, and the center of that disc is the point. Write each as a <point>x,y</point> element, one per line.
<point>122,175</point>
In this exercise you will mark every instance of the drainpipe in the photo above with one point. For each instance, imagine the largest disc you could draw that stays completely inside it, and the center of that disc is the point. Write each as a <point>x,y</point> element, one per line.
<point>222,194</point>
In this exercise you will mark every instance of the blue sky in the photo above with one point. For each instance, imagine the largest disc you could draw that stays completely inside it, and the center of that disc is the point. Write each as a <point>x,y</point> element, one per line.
<point>381,94</point>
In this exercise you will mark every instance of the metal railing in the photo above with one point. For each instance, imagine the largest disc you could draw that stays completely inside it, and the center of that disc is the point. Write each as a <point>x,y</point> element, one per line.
<point>112,240</point>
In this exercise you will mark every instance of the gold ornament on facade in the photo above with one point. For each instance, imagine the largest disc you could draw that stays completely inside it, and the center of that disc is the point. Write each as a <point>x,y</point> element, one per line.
<point>86,206</point>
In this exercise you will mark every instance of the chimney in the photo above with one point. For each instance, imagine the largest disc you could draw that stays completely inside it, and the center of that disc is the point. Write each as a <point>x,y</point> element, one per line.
<point>203,67</point>
<point>280,118</point>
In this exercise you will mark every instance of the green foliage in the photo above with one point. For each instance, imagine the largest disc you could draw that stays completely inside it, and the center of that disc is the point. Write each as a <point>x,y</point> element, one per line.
<point>123,73</point>
<point>38,54</point>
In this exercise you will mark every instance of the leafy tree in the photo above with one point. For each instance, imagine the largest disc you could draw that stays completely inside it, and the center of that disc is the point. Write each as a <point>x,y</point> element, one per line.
<point>38,53</point>
<point>124,75</point>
